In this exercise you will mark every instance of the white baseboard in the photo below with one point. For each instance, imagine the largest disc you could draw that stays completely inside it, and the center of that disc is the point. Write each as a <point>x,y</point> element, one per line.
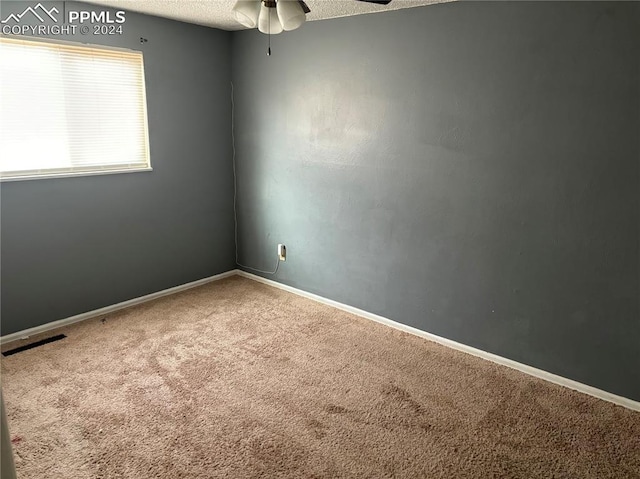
<point>538,373</point>
<point>113,308</point>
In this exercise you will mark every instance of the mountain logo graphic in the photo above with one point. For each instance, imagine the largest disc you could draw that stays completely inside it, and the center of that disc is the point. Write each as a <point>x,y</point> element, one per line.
<point>34,11</point>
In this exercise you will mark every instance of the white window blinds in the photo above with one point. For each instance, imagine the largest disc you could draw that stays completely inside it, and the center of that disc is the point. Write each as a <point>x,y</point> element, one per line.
<point>67,109</point>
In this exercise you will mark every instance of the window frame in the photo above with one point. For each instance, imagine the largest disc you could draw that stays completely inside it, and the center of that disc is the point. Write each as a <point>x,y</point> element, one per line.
<point>104,169</point>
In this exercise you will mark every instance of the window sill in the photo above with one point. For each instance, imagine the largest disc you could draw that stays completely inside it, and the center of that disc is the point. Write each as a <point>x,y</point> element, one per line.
<point>72,174</point>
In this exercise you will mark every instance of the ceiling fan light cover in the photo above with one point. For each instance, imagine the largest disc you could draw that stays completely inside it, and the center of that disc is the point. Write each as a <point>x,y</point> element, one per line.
<point>268,21</point>
<point>247,11</point>
<point>291,14</point>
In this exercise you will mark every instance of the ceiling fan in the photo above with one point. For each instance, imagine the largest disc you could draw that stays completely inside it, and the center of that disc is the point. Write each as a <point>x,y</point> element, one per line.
<point>274,16</point>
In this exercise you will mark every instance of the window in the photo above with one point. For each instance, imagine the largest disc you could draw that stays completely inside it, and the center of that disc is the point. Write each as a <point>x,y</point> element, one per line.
<point>69,109</point>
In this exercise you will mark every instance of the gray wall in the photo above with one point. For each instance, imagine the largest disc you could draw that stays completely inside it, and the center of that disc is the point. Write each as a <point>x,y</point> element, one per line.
<point>469,169</point>
<point>76,244</point>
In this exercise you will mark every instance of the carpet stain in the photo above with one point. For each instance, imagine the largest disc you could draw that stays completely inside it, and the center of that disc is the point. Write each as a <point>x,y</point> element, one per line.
<point>403,399</point>
<point>333,409</point>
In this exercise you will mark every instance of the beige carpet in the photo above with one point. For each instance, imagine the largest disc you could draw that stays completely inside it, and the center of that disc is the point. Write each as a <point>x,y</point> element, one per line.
<point>240,380</point>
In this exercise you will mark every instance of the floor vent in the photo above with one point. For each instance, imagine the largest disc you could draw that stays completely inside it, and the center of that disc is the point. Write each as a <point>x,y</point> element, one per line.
<point>34,345</point>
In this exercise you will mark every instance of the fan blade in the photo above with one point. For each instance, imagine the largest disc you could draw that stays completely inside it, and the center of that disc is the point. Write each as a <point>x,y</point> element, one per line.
<point>379,2</point>
<point>305,7</point>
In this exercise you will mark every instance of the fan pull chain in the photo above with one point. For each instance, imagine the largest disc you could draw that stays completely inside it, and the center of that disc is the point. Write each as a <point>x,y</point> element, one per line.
<point>269,36</point>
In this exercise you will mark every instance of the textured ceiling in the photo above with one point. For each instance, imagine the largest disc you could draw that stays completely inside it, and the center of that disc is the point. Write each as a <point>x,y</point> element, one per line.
<point>217,13</point>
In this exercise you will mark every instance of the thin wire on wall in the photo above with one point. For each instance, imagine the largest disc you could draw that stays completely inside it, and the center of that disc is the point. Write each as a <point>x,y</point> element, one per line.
<point>235,193</point>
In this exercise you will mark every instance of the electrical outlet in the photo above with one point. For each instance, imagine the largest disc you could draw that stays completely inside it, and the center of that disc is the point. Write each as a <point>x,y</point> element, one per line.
<point>282,252</point>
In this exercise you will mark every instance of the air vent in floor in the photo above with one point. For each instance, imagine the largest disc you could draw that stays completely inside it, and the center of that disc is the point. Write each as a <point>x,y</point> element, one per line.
<point>34,345</point>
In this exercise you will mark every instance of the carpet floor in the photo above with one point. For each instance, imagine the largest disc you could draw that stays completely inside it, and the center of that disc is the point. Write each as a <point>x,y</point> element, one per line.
<point>237,379</point>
